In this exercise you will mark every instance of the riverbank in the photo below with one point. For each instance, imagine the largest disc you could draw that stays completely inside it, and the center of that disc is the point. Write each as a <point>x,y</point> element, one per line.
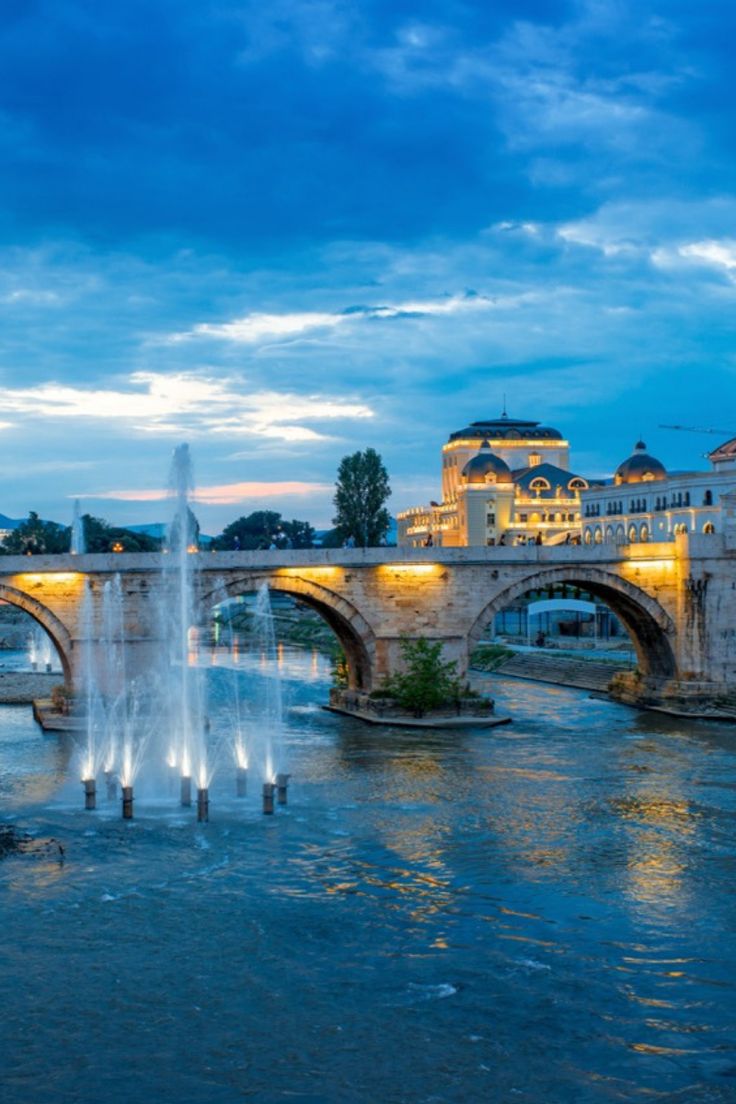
<point>24,687</point>
<point>580,674</point>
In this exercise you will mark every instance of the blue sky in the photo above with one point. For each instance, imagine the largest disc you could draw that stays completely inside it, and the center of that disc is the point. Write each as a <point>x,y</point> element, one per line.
<point>285,231</point>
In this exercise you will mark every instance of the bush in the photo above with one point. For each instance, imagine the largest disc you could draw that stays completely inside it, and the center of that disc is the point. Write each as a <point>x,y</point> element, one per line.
<point>60,699</point>
<point>426,682</point>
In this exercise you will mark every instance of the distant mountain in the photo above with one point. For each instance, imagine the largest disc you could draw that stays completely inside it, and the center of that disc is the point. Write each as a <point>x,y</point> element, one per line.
<point>10,523</point>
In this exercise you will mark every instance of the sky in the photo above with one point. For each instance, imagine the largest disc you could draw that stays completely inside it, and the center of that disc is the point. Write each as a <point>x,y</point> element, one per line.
<point>283,232</point>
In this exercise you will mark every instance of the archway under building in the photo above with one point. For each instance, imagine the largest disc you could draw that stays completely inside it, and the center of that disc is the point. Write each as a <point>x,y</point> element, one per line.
<point>649,626</point>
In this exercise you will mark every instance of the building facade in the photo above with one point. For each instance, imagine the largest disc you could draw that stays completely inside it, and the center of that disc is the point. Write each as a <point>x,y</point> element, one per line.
<point>504,480</point>
<point>643,502</point>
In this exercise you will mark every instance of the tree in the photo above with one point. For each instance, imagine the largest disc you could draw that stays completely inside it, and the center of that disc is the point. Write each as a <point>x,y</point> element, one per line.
<point>361,490</point>
<point>263,528</point>
<point>426,682</point>
<point>99,536</point>
<point>36,537</point>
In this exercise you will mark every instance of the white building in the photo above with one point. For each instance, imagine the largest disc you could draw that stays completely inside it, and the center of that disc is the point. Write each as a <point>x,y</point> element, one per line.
<point>644,502</point>
<point>503,480</point>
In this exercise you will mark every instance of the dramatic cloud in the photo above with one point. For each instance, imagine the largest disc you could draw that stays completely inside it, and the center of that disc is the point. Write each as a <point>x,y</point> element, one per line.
<point>372,224</point>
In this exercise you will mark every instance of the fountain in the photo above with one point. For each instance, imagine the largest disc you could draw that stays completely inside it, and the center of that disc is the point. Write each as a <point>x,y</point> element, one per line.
<point>158,725</point>
<point>77,543</point>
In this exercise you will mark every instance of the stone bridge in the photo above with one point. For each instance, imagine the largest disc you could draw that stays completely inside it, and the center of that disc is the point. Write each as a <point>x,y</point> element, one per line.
<point>677,600</point>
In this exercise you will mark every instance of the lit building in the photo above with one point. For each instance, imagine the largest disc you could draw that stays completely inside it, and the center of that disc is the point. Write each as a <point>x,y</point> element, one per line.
<point>503,480</point>
<point>643,502</point>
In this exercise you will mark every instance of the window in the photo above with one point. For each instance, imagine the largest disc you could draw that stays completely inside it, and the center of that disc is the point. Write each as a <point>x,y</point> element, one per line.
<point>490,520</point>
<point>535,458</point>
<point>523,517</point>
<point>709,527</point>
<point>644,533</point>
<point>632,534</point>
<point>708,498</point>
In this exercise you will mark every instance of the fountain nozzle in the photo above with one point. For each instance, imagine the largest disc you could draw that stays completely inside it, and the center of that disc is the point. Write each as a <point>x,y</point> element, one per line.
<point>186,790</point>
<point>90,793</point>
<point>127,802</point>
<point>241,781</point>
<point>112,786</point>
<point>268,788</point>
<point>203,804</point>
<point>282,783</point>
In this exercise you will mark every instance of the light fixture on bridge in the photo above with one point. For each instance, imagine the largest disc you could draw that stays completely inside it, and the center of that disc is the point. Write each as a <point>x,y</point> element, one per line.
<point>117,547</point>
<point>410,568</point>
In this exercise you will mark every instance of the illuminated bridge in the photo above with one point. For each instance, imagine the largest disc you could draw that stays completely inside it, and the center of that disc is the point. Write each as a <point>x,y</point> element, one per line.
<point>677,600</point>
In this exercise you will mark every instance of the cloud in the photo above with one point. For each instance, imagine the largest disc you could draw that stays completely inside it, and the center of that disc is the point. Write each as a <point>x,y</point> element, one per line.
<point>253,328</point>
<point>172,403</point>
<point>721,254</point>
<point>222,494</point>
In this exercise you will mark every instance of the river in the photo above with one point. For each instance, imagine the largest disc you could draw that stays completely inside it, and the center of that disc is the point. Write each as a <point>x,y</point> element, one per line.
<point>542,912</point>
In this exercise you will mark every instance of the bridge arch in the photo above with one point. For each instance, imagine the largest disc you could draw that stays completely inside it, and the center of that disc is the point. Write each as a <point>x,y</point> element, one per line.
<point>355,635</point>
<point>651,628</point>
<point>58,632</point>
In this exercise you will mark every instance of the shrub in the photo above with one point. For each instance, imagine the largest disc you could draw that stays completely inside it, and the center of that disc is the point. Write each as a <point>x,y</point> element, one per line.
<point>426,681</point>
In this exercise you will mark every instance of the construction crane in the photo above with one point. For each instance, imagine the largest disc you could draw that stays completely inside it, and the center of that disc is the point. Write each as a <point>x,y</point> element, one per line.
<point>702,429</point>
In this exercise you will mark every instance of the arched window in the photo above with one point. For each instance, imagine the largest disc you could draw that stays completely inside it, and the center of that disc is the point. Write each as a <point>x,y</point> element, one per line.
<point>709,527</point>
<point>577,484</point>
<point>632,534</point>
<point>620,535</point>
<point>609,534</point>
<point>587,537</point>
<point>598,536</point>
<point>644,533</point>
<point>539,483</point>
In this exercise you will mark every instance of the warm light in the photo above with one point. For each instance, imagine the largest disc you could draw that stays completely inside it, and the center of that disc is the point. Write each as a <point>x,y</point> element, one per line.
<point>117,547</point>
<point>50,576</point>
<point>410,568</point>
<point>192,548</point>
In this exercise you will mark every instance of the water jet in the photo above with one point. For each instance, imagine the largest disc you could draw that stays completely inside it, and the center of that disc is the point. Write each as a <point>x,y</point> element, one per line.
<point>186,790</point>
<point>203,804</point>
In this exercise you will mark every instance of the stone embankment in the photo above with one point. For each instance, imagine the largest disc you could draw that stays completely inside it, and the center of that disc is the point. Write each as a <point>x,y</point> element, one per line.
<point>581,674</point>
<point>23,687</point>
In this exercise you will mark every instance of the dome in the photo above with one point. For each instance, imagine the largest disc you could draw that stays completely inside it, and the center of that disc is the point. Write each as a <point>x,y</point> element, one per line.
<point>510,429</point>
<point>640,467</point>
<point>486,467</point>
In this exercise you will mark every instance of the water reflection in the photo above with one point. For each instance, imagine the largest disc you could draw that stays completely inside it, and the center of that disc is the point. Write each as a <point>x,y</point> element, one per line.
<point>542,912</point>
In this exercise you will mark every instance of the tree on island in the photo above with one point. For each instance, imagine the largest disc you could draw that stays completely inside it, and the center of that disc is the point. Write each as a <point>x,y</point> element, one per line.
<point>263,528</point>
<point>361,491</point>
<point>426,682</point>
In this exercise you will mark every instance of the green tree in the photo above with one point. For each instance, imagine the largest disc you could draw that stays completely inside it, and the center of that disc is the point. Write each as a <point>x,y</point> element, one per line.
<point>263,528</point>
<point>300,534</point>
<point>36,537</point>
<point>99,536</point>
<point>361,490</point>
<point>426,682</point>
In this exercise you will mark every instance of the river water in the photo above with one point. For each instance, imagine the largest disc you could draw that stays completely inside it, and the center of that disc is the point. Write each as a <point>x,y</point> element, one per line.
<point>542,912</point>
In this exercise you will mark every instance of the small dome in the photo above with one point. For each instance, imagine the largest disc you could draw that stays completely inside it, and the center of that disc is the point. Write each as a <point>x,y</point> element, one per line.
<point>486,467</point>
<point>640,467</point>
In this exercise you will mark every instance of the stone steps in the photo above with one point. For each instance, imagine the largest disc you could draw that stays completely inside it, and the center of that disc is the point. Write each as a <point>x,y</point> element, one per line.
<point>562,670</point>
